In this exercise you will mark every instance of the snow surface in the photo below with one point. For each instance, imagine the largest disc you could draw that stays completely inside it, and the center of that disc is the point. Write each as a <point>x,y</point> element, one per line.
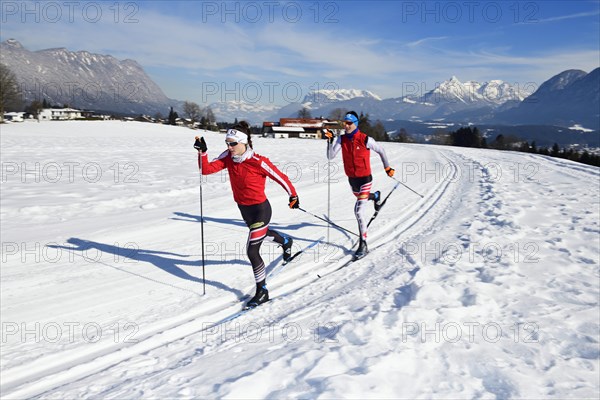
<point>487,287</point>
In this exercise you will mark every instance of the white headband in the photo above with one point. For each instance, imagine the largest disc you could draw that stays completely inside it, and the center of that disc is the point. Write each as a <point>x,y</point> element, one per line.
<point>239,136</point>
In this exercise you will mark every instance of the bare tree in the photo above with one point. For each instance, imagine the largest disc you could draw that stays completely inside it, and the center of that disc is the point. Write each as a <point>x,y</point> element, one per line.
<point>192,111</point>
<point>10,95</point>
<point>337,114</point>
<point>304,113</point>
<point>210,115</point>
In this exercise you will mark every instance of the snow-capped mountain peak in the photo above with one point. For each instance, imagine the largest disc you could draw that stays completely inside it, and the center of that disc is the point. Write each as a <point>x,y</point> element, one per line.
<point>493,92</point>
<point>321,96</point>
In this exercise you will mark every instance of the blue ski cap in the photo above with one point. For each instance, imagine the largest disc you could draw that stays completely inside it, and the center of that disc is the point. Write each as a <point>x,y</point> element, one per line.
<point>352,118</point>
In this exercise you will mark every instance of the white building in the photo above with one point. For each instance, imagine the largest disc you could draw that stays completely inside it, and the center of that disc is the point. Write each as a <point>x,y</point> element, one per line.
<point>48,114</point>
<point>14,116</point>
<point>303,128</point>
<point>283,132</point>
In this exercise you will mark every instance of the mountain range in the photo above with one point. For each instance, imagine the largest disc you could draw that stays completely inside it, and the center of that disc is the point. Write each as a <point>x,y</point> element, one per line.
<point>84,80</point>
<point>567,99</point>
<point>102,82</point>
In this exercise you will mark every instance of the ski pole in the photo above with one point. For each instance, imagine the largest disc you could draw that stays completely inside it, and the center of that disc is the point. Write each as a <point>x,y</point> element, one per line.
<point>202,233</point>
<point>328,188</point>
<point>407,187</point>
<point>329,222</point>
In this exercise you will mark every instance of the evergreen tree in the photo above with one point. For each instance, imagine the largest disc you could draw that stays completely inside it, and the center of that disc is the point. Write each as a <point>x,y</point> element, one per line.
<point>379,132</point>
<point>499,142</point>
<point>10,93</point>
<point>173,117</point>
<point>403,137</point>
<point>533,148</point>
<point>466,137</point>
<point>524,147</point>
<point>363,122</point>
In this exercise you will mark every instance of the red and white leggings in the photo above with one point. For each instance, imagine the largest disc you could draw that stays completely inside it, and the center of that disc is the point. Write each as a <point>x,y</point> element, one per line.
<point>361,187</point>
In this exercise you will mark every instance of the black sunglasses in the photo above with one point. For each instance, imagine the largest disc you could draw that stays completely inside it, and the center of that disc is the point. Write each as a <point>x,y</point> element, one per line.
<point>232,144</point>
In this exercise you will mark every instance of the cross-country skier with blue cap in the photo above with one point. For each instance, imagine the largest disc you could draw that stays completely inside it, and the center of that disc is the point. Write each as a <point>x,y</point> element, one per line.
<point>356,152</point>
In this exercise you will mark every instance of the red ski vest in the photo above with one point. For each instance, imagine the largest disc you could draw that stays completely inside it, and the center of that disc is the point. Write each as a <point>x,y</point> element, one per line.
<point>356,155</point>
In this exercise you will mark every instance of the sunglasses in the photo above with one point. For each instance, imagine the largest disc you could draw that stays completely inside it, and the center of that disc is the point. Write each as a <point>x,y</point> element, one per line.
<point>348,122</point>
<point>232,144</point>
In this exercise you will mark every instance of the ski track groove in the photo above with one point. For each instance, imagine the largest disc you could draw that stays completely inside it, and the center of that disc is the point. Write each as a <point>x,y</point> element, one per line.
<point>346,283</point>
<point>52,376</point>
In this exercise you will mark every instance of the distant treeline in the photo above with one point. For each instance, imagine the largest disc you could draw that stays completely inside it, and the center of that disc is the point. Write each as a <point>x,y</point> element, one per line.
<point>471,137</point>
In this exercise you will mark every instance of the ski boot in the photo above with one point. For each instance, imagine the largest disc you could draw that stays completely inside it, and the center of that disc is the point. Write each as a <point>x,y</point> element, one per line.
<point>287,248</point>
<point>362,250</point>
<point>377,200</point>
<point>261,296</point>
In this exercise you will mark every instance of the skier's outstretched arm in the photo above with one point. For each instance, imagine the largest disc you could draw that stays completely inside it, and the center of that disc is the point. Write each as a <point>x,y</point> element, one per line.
<point>376,147</point>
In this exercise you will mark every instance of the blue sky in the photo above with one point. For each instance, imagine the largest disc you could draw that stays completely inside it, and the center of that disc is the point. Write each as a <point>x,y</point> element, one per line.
<point>271,52</point>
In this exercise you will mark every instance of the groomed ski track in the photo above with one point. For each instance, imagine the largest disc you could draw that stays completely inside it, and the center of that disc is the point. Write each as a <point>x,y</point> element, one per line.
<point>290,288</point>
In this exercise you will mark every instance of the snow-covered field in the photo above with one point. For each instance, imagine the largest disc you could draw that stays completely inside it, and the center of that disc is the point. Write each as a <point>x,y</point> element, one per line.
<point>487,287</point>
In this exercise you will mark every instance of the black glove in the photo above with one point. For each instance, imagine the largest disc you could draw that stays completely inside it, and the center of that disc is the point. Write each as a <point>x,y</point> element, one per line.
<point>294,202</point>
<point>328,134</point>
<point>200,145</point>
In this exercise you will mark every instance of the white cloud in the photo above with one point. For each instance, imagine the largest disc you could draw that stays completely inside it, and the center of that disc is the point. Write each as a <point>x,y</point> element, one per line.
<point>570,16</point>
<point>425,40</point>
